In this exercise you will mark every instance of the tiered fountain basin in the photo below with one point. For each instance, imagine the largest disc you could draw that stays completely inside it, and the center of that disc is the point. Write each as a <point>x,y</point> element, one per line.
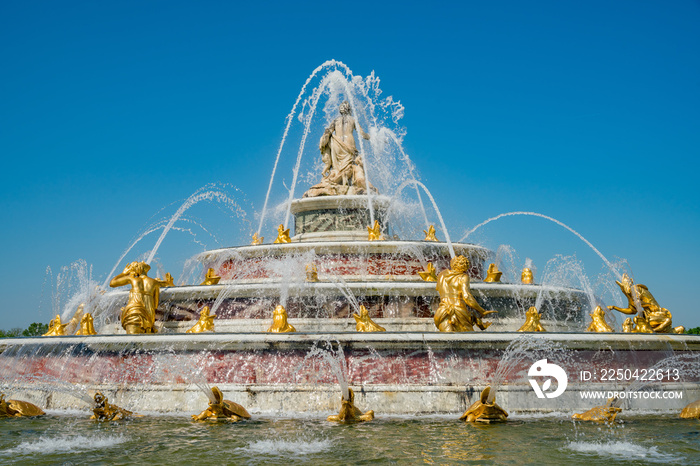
<point>390,372</point>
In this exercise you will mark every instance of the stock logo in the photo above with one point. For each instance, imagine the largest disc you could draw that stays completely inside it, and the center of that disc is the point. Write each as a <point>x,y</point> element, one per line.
<point>544,369</point>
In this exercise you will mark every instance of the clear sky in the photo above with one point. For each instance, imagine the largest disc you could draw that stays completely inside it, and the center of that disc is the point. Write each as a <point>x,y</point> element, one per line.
<point>112,113</point>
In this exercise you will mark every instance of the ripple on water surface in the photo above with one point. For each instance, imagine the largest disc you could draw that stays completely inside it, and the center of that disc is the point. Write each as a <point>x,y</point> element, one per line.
<point>623,450</point>
<point>65,444</point>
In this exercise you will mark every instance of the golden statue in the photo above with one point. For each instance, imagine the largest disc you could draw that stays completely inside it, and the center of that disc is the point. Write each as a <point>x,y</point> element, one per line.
<point>605,413</point>
<point>87,326</point>
<point>73,324</point>
<point>205,322</point>
<point>282,235</point>
<point>458,311</point>
<point>311,273</point>
<point>139,314</point>
<point>56,328</point>
<point>429,274</point>
<point>167,281</point>
<point>375,233</point>
<point>211,278</point>
<point>484,411</point>
<point>257,239</point>
<point>18,408</point>
<point>692,411</point>
<point>349,413</point>
<point>641,325</point>
<point>343,171</point>
<point>659,318</point>
<point>279,321</point>
<point>493,275</point>
<point>598,323</point>
<point>222,409</point>
<point>105,411</point>
<point>628,326</point>
<point>430,234</point>
<point>532,321</point>
<point>527,277</point>
<point>365,323</point>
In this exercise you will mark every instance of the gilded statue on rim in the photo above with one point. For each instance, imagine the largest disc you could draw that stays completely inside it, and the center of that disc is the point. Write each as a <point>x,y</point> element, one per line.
<point>343,169</point>
<point>139,314</point>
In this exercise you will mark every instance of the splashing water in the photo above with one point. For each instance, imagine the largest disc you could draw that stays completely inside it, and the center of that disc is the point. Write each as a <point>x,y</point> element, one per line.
<point>334,357</point>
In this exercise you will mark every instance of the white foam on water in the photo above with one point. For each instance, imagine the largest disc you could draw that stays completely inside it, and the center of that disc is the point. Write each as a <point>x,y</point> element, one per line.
<point>287,447</point>
<point>624,450</point>
<point>66,444</point>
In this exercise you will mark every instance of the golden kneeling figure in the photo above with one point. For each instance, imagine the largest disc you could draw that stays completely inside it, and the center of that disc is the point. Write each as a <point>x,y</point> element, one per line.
<point>221,409</point>
<point>350,413</point>
<point>365,322</point>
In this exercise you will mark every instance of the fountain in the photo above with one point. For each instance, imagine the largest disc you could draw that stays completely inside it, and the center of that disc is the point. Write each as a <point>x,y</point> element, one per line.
<point>401,311</point>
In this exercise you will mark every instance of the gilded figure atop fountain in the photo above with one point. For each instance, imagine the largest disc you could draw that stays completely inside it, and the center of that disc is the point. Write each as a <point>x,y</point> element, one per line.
<point>659,318</point>
<point>458,311</point>
<point>56,328</point>
<point>343,170</point>
<point>365,322</point>
<point>282,235</point>
<point>532,321</point>
<point>205,322</point>
<point>139,314</point>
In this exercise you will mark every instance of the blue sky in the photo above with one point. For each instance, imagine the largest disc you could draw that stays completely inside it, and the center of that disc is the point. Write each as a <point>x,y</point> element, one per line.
<point>112,114</point>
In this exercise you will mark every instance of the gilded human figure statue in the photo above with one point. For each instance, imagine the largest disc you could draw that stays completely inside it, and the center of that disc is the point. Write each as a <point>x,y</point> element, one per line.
<point>365,322</point>
<point>139,314</point>
<point>343,170</point>
<point>659,318</point>
<point>458,311</point>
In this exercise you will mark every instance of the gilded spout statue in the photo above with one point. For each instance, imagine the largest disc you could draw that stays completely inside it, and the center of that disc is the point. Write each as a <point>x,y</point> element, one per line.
<point>365,322</point>
<point>73,324</point>
<point>628,326</point>
<point>211,278</point>
<point>139,314</point>
<point>429,274</point>
<point>205,322</point>
<point>485,411</point>
<point>598,323</point>
<point>279,321</point>
<point>430,234</point>
<point>219,408</point>
<point>311,273</point>
<point>87,325</point>
<point>103,410</point>
<point>493,275</point>
<point>282,235</point>
<point>375,233</point>
<point>641,325</point>
<point>606,413</point>
<point>257,239</point>
<point>343,170</point>
<point>692,411</point>
<point>527,277</point>
<point>349,412</point>
<point>458,310</point>
<point>18,408</point>
<point>659,318</point>
<point>168,281</point>
<point>56,328</point>
<point>532,321</point>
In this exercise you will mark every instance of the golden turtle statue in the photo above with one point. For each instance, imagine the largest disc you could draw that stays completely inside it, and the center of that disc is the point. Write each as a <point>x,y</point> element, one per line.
<point>349,412</point>
<point>18,408</point>
<point>605,413</point>
<point>222,409</point>
<point>484,411</point>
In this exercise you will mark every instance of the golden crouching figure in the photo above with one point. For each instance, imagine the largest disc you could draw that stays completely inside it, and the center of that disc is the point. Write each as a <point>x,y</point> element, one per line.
<point>628,326</point>
<point>221,409</point>
<point>87,326</point>
<point>279,321</point>
<point>532,321</point>
<point>692,411</point>
<point>484,411</point>
<point>458,311</point>
<point>311,273</point>
<point>205,322</point>
<point>105,411</point>
<point>211,278</point>
<point>527,277</point>
<point>56,328</point>
<point>349,413</point>
<point>282,235</point>
<point>659,318</point>
<point>429,274</point>
<point>598,323</point>
<point>606,413</point>
<point>365,323</point>
<point>257,239</point>
<point>18,408</point>
<point>493,275</point>
<point>139,314</point>
<point>430,234</point>
<point>374,233</point>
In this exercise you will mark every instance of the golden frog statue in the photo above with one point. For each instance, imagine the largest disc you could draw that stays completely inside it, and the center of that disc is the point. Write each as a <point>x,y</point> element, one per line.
<point>349,412</point>
<point>692,411</point>
<point>282,235</point>
<point>532,321</point>
<point>605,413</point>
<point>205,322</point>
<point>598,323</point>
<point>103,410</point>
<point>484,411</point>
<point>87,325</point>
<point>221,409</point>
<point>430,234</point>
<point>211,278</point>
<point>374,233</point>
<point>628,326</point>
<point>365,323</point>
<point>527,277</point>
<point>18,408</point>
<point>429,274</point>
<point>56,328</point>
<point>311,273</point>
<point>279,321</point>
<point>458,310</point>
<point>493,275</point>
<point>257,239</point>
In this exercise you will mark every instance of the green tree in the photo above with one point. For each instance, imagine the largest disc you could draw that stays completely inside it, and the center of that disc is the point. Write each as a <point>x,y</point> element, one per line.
<point>36,329</point>
<point>693,331</point>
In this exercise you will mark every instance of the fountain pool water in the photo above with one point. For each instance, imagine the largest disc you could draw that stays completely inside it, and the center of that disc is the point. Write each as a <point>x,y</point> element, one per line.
<point>415,378</point>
